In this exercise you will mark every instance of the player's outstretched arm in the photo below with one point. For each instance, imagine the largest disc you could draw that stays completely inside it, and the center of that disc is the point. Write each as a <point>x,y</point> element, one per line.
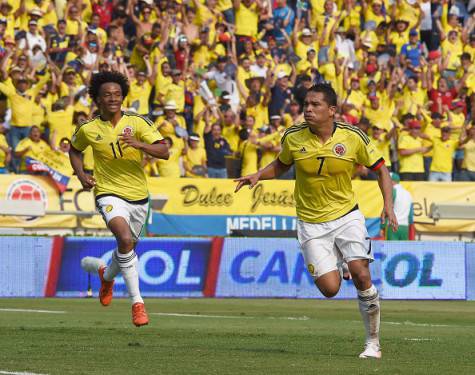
<point>385,185</point>
<point>87,181</point>
<point>272,170</point>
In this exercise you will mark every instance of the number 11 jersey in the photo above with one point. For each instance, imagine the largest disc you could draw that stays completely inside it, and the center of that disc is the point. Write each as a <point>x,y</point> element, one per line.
<point>117,167</point>
<point>323,190</point>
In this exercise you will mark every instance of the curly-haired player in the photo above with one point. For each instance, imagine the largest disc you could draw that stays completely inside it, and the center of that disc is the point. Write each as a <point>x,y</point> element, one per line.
<point>118,140</point>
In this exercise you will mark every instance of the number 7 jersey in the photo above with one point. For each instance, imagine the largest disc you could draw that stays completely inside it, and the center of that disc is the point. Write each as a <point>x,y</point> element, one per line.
<point>117,167</point>
<point>323,190</point>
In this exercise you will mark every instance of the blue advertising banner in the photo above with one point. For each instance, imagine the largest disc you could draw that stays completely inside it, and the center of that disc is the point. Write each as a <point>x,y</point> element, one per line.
<point>167,267</point>
<point>470,253</point>
<point>24,266</point>
<point>402,270</point>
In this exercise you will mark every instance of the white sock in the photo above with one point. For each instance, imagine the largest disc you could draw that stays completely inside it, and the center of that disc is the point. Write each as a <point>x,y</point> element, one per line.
<point>368,301</point>
<point>128,267</point>
<point>113,269</point>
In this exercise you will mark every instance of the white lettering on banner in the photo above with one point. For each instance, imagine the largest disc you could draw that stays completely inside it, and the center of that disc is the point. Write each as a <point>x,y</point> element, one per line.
<point>182,278</point>
<point>260,223</point>
<point>168,269</point>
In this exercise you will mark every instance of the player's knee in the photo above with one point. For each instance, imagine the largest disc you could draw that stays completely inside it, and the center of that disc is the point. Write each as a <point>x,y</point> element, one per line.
<point>126,241</point>
<point>329,293</point>
<point>361,276</point>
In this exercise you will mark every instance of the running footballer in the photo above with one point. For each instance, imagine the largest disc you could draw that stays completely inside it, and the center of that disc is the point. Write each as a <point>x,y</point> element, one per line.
<point>119,140</point>
<point>331,229</point>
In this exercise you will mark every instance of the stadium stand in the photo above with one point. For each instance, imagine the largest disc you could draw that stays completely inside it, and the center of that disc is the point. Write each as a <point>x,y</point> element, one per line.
<point>402,68</point>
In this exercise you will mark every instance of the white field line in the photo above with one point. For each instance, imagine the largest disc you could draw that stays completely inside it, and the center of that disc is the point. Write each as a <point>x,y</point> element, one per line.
<point>417,339</point>
<point>231,316</point>
<point>33,311</point>
<point>19,373</point>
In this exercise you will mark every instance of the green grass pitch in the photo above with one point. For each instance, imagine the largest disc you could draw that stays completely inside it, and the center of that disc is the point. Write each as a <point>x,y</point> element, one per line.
<point>230,336</point>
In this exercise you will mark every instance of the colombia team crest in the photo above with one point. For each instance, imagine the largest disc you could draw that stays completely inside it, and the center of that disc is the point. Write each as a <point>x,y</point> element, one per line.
<point>128,131</point>
<point>339,149</point>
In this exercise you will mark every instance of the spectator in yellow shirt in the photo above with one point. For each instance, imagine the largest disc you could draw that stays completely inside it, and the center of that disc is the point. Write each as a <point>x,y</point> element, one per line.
<point>194,161</point>
<point>30,147</point>
<point>442,160</point>
<point>469,161</point>
<point>5,151</point>
<point>170,167</point>
<point>411,153</point>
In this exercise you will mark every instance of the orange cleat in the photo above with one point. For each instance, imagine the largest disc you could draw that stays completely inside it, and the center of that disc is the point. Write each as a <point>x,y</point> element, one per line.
<point>105,294</point>
<point>139,315</point>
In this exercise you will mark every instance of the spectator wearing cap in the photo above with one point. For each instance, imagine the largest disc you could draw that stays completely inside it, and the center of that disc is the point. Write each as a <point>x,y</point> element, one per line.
<point>411,54</point>
<point>194,161</point>
<point>281,94</point>
<point>95,29</point>
<point>5,151</point>
<point>30,146</point>
<point>32,38</point>
<point>176,90</point>
<point>21,96</point>
<point>374,12</point>
<point>140,90</point>
<point>59,44</point>
<point>452,48</point>
<point>216,149</point>
<point>411,153</point>
<point>404,211</point>
<point>306,66</point>
<point>303,40</point>
<point>468,144</point>
<point>399,35</point>
<point>218,73</point>
<point>167,123</point>
<point>442,160</point>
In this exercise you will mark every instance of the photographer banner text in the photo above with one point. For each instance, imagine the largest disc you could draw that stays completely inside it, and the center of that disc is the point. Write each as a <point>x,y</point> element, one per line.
<point>210,206</point>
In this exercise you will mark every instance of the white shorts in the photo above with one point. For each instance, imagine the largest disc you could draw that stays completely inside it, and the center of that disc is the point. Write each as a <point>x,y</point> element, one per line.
<point>325,245</point>
<point>134,214</point>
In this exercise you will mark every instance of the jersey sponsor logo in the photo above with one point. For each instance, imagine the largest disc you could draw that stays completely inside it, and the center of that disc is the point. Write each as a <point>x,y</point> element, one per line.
<point>27,191</point>
<point>128,131</point>
<point>98,138</point>
<point>339,149</point>
<point>303,150</point>
<point>311,268</point>
<point>109,208</point>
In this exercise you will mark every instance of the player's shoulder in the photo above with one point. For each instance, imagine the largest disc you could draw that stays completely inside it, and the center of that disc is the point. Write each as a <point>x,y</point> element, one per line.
<point>352,131</point>
<point>84,125</point>
<point>293,130</point>
<point>138,118</point>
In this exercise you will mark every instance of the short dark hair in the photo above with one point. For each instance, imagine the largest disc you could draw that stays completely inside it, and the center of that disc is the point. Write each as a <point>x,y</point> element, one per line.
<point>328,93</point>
<point>101,78</point>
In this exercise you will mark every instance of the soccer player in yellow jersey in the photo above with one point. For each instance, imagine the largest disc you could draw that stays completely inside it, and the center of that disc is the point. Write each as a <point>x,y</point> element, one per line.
<point>118,141</point>
<point>330,227</point>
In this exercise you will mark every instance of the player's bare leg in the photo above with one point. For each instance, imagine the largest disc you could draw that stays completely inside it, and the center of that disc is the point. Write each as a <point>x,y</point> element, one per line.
<point>368,301</point>
<point>329,283</point>
<point>127,261</point>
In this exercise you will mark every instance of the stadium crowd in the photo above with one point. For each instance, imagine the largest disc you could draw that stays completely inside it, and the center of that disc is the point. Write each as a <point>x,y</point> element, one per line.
<point>223,79</point>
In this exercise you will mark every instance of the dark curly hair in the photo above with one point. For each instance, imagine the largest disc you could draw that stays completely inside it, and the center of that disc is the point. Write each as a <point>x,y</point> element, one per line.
<point>98,79</point>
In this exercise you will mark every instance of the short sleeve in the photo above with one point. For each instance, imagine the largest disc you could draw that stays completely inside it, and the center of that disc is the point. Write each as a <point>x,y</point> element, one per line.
<point>79,139</point>
<point>147,132</point>
<point>368,155</point>
<point>285,156</point>
<point>403,143</point>
<point>22,145</point>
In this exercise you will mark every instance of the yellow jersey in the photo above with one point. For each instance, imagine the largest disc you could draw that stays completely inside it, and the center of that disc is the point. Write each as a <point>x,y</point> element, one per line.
<point>117,168</point>
<point>249,158</point>
<point>138,97</point>
<point>323,190</point>
<point>469,157</point>
<point>170,167</point>
<point>61,124</point>
<point>193,158</point>
<point>37,148</point>
<point>442,160</point>
<point>413,163</point>
<point>3,154</point>
<point>247,19</point>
